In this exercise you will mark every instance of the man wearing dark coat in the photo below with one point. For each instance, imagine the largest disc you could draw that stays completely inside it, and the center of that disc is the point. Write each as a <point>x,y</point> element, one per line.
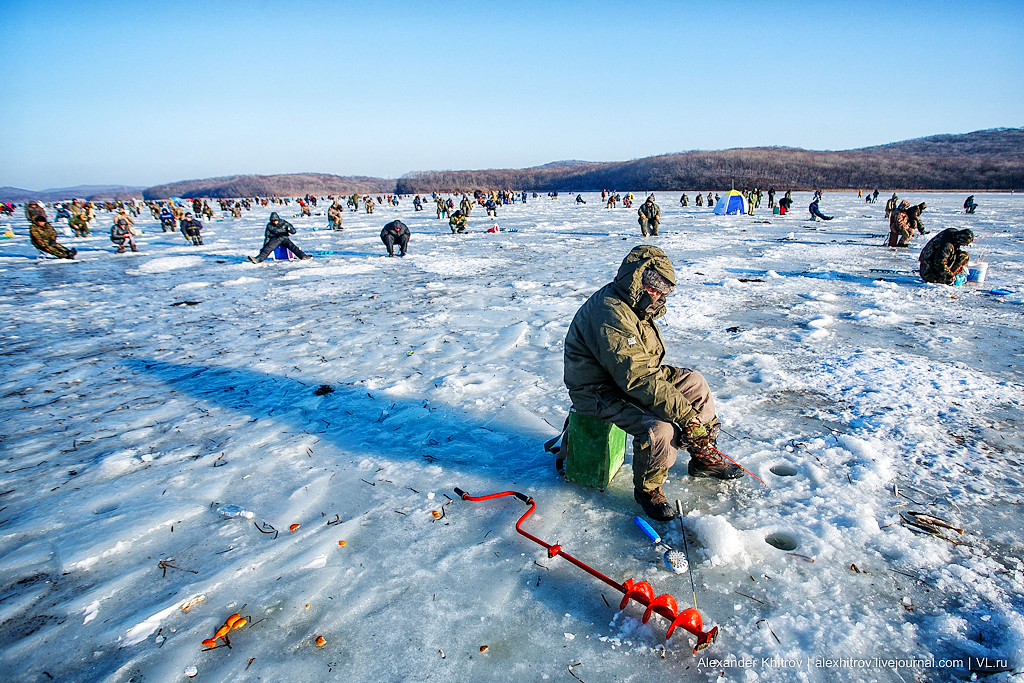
<point>395,232</point>
<point>277,235</point>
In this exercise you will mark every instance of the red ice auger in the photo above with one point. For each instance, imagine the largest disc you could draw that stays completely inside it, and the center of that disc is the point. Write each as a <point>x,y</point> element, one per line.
<point>665,605</point>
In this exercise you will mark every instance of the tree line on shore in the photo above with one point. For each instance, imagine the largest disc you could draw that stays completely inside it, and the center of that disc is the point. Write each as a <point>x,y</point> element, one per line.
<point>983,160</point>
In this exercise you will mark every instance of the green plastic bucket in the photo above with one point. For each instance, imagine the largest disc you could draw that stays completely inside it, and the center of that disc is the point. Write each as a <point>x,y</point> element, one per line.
<point>594,450</point>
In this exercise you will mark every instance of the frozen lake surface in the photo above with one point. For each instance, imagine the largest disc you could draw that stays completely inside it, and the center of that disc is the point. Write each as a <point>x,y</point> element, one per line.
<point>142,392</point>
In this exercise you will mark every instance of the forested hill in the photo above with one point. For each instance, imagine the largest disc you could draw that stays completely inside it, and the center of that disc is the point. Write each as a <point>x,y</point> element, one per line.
<point>983,160</point>
<point>1007,143</point>
<point>286,185</point>
<point>89,192</point>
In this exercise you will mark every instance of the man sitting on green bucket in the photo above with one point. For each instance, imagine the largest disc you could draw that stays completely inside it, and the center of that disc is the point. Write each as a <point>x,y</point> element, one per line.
<point>614,371</point>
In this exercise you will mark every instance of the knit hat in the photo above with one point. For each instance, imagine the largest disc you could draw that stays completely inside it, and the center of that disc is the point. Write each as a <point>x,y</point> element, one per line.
<point>656,281</point>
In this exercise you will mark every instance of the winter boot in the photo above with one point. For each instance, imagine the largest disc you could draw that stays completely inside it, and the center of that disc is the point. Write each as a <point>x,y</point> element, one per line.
<point>706,462</point>
<point>655,504</point>
<point>252,260</point>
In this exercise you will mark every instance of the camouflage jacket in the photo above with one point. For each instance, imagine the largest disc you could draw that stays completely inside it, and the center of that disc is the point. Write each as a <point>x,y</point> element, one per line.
<point>614,350</point>
<point>457,222</point>
<point>650,212</point>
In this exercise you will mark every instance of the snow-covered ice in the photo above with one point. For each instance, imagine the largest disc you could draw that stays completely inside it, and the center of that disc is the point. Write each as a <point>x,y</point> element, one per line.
<point>129,422</point>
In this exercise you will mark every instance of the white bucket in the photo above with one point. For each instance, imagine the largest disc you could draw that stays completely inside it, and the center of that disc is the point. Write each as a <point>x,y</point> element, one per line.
<point>977,272</point>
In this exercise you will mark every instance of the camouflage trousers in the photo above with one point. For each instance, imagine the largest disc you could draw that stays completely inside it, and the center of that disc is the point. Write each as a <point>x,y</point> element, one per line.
<point>51,247</point>
<point>648,226</point>
<point>656,442</point>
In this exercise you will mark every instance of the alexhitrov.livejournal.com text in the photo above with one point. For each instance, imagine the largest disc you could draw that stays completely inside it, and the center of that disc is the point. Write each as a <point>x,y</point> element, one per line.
<point>840,663</point>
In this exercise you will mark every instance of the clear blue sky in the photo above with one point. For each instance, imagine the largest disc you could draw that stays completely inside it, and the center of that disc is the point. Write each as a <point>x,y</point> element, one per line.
<point>142,93</point>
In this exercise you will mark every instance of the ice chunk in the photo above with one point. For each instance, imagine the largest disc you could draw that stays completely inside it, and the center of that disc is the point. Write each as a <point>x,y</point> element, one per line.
<point>235,511</point>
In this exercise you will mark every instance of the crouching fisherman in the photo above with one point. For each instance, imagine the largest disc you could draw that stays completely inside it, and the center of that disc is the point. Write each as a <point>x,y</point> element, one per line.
<point>395,232</point>
<point>277,235</point>
<point>167,220</point>
<point>943,261</point>
<point>120,234</point>
<point>192,228</point>
<point>614,371</point>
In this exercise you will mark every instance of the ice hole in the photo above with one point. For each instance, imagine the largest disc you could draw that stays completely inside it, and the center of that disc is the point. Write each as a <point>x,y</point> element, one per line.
<point>781,541</point>
<point>783,470</point>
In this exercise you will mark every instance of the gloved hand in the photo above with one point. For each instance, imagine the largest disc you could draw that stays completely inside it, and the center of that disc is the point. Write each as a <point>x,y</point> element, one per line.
<point>699,435</point>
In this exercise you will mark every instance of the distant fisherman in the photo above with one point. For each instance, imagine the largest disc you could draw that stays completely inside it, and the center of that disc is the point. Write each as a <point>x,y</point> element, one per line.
<point>335,214</point>
<point>899,226</point>
<point>942,259</point>
<point>44,238</point>
<point>816,212</point>
<point>78,221</point>
<point>277,235</point>
<point>458,222</point>
<point>167,220</point>
<point>192,227</point>
<point>890,205</point>
<point>395,232</point>
<point>33,209</point>
<point>121,233</point>
<point>649,217</point>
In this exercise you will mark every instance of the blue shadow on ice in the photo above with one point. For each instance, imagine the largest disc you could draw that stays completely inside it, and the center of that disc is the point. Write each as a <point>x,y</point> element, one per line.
<point>356,420</point>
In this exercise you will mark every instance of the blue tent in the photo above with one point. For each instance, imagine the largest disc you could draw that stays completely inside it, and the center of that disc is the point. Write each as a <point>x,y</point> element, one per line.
<point>733,202</point>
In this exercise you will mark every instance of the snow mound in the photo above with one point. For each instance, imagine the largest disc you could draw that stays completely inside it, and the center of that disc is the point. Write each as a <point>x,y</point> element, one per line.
<point>722,543</point>
<point>166,264</point>
<point>454,265</point>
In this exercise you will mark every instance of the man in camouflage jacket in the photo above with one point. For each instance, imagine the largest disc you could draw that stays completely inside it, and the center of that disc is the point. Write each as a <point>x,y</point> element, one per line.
<point>614,371</point>
<point>649,216</point>
<point>44,238</point>
<point>942,258</point>
<point>457,222</point>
